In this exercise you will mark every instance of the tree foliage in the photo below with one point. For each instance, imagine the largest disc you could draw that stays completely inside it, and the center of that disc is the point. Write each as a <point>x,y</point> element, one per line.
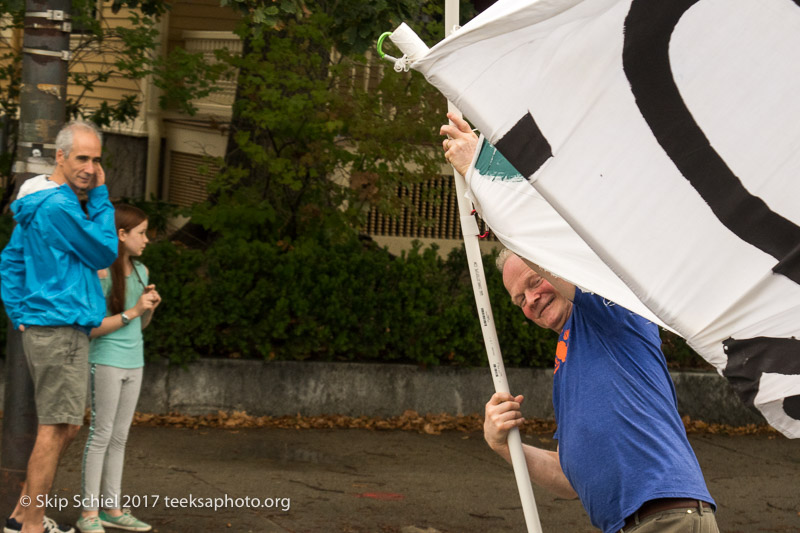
<point>322,130</point>
<point>130,51</point>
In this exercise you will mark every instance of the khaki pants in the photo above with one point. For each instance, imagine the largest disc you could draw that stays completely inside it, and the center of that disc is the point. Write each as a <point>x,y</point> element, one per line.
<point>696,520</point>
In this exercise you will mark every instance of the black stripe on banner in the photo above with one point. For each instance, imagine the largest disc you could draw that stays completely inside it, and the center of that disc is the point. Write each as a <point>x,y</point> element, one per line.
<point>645,57</point>
<point>748,359</point>
<point>525,146</point>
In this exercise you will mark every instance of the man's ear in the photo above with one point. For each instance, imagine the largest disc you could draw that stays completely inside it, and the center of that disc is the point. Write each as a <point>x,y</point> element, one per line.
<point>60,157</point>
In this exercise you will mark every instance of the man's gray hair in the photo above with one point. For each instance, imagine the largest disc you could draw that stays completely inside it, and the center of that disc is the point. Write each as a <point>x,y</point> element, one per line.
<point>502,257</point>
<point>66,135</point>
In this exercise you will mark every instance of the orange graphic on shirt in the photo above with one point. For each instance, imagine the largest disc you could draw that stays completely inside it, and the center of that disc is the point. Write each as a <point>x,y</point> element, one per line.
<point>561,351</point>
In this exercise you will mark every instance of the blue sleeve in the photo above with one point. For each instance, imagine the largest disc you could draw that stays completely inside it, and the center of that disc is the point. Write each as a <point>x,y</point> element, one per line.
<point>93,240</point>
<point>605,313</point>
<point>12,276</point>
<point>615,320</point>
<point>598,310</point>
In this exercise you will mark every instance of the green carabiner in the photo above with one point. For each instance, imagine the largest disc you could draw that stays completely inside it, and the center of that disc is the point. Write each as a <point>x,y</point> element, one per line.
<point>382,38</point>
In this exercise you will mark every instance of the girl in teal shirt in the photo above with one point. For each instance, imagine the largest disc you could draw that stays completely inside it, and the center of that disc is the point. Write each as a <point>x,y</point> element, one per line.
<point>116,356</point>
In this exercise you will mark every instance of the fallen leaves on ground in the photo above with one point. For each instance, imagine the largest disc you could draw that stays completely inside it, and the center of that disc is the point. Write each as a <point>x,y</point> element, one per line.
<point>408,421</point>
<point>698,426</point>
<point>431,424</point>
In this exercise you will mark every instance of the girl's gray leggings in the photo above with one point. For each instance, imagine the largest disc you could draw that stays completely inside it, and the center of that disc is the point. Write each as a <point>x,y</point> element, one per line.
<point>114,393</point>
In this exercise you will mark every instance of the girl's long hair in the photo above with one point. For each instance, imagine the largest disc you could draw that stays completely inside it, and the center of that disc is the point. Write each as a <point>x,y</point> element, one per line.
<point>126,217</point>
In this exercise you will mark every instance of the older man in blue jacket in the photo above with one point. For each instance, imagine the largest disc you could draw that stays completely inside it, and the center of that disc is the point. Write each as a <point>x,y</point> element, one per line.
<point>50,288</point>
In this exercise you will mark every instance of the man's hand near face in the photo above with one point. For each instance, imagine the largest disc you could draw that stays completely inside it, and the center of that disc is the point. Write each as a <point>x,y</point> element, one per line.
<point>99,176</point>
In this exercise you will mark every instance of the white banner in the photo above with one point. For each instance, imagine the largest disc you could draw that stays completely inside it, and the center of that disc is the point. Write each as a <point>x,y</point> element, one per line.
<point>666,138</point>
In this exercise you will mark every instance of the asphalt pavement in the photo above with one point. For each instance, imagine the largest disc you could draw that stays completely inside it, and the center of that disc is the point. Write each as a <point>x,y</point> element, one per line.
<point>392,481</point>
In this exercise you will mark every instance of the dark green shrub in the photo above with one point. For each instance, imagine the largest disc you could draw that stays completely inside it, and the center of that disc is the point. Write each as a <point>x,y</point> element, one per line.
<point>343,302</point>
<point>679,354</point>
<point>180,327</point>
<point>336,302</point>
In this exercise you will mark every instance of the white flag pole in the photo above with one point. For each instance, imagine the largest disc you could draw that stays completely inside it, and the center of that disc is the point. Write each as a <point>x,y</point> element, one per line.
<point>412,46</point>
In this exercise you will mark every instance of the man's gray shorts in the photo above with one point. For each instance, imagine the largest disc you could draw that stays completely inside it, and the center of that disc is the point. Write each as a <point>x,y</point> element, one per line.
<point>58,360</point>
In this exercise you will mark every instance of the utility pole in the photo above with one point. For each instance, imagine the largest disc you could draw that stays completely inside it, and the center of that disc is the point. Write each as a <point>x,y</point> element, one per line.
<point>45,48</point>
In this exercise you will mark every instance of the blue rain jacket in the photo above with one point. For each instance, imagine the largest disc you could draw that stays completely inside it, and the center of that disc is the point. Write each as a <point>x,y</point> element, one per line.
<point>48,270</point>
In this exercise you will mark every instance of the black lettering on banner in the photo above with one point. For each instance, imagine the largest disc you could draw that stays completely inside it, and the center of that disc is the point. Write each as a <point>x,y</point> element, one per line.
<point>645,58</point>
<point>749,358</point>
<point>525,146</point>
<point>648,29</point>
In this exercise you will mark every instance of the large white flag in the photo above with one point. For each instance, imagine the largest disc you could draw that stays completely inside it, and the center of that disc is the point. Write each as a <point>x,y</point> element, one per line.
<point>665,138</point>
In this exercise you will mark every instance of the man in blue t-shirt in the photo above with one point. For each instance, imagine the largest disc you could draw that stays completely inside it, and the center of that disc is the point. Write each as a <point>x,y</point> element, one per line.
<point>622,448</point>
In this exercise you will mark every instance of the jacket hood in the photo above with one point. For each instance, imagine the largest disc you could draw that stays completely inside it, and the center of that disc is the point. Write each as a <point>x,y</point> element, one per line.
<point>25,208</point>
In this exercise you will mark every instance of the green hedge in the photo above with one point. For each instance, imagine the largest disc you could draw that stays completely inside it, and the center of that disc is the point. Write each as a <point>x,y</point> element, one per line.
<point>348,302</point>
<point>345,302</point>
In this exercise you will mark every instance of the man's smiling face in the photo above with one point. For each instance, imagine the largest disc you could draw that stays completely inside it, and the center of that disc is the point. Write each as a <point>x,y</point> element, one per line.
<point>540,302</point>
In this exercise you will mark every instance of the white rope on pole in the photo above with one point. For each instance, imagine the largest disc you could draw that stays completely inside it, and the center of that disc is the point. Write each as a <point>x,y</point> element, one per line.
<point>413,47</point>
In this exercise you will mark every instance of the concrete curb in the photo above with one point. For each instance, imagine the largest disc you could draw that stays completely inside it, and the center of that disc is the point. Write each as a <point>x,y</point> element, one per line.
<point>381,390</point>
<point>355,389</point>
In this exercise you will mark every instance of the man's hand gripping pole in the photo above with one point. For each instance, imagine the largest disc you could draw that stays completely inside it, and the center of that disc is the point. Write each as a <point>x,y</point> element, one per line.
<point>413,48</point>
